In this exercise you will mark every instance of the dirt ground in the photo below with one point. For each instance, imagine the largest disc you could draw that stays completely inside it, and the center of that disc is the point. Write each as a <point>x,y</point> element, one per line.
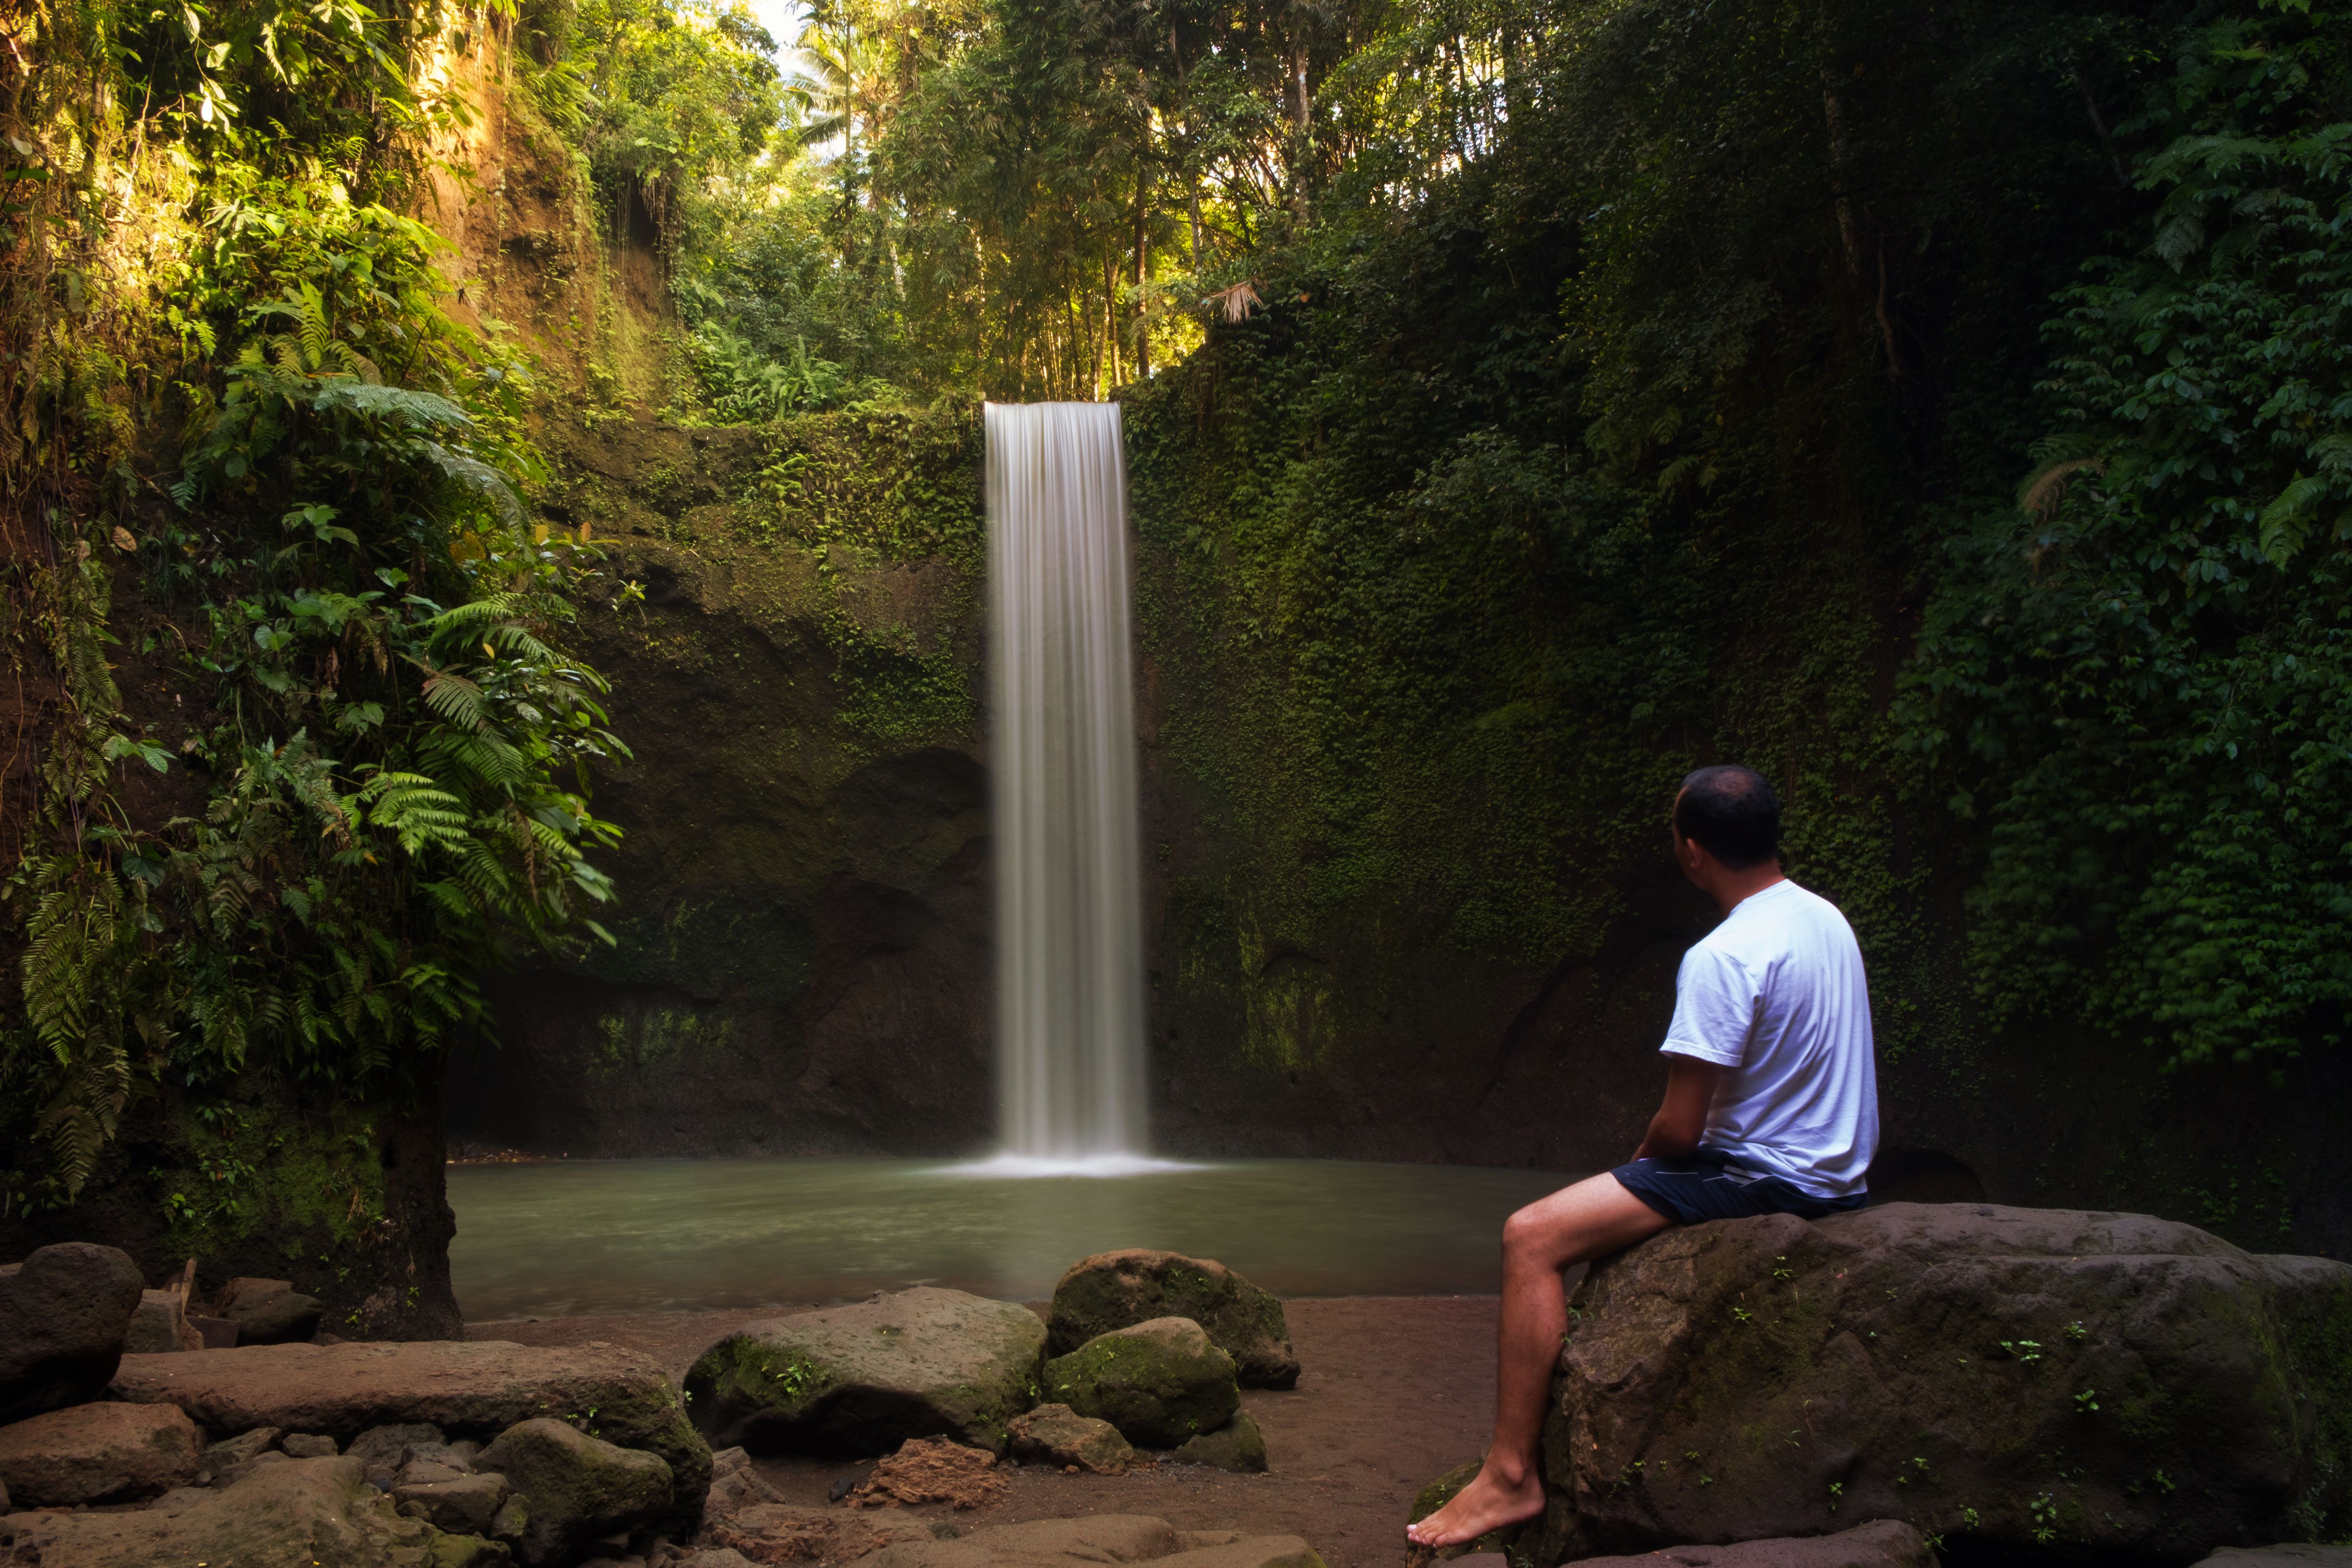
<point>1396,1391</point>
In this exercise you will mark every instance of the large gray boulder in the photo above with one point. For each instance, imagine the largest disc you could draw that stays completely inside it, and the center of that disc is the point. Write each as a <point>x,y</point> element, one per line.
<point>467,1389</point>
<point>577,1490</point>
<point>2095,1382</point>
<point>64,1314</point>
<point>1120,1290</point>
<point>295,1511</point>
<point>850,1381</point>
<point>98,1453</point>
<point>1161,1382</point>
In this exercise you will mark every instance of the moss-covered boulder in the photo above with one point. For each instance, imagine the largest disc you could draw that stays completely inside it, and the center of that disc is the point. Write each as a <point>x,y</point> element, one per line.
<point>577,1488</point>
<point>1161,1382</point>
<point>851,1382</point>
<point>2033,1378</point>
<point>1118,1289</point>
<point>1238,1446</point>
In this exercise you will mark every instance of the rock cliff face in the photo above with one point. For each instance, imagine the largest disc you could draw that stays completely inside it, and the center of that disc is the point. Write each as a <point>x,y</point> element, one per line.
<point>801,955</point>
<point>794,628</point>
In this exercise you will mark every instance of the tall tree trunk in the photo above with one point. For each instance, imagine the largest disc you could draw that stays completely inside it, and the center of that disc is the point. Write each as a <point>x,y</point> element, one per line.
<point>1142,273</point>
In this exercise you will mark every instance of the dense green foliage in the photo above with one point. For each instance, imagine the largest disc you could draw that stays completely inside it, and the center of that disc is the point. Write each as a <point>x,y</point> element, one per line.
<point>2145,664</point>
<point>1944,409</point>
<point>378,787</point>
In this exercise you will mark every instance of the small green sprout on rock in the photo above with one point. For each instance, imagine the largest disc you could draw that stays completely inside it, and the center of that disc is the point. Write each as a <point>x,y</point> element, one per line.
<point>1837,1492</point>
<point>2023,1349</point>
<point>2044,1513</point>
<point>1781,1270</point>
<point>2076,1332</point>
<point>2087,1401</point>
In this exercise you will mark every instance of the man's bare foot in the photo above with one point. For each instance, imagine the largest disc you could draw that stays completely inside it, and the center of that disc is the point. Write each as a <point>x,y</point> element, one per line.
<point>1488,1502</point>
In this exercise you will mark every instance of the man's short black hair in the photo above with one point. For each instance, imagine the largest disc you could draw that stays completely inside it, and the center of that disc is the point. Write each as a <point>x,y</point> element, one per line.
<point>1731,811</point>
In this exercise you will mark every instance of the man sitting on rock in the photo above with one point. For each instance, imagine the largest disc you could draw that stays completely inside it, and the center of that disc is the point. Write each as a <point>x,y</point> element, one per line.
<point>1771,1107</point>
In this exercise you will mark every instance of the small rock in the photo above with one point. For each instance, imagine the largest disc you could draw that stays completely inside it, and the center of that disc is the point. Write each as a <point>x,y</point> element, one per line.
<point>270,1312</point>
<point>717,1557</point>
<point>2291,1554</point>
<point>159,1326</point>
<point>1120,1290</point>
<point>1238,1446</point>
<point>932,1470</point>
<point>98,1453</point>
<point>468,1505</point>
<point>64,1314</point>
<point>425,1473</point>
<point>732,1490</point>
<point>308,1446</point>
<point>383,1450</point>
<point>1160,1382</point>
<point>580,1487</point>
<point>512,1519</point>
<point>1057,1435</point>
<point>237,1450</point>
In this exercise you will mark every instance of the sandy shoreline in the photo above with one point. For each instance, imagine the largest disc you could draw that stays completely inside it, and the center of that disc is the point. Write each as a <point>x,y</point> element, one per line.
<point>1396,1391</point>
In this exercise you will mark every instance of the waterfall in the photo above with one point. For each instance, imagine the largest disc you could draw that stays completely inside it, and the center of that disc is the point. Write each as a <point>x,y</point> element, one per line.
<point>1069,939</point>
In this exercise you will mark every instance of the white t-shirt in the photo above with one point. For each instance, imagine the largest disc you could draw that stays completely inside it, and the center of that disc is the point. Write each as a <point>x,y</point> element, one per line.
<point>1776,995</point>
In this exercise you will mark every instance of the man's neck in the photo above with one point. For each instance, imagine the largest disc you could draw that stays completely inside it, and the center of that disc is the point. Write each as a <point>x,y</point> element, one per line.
<point>1731,889</point>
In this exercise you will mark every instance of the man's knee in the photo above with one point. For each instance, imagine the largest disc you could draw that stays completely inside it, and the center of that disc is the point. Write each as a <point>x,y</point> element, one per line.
<point>1534,1234</point>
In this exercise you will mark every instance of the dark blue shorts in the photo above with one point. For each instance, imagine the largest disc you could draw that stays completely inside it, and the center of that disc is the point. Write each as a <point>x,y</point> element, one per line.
<point>1705,1185</point>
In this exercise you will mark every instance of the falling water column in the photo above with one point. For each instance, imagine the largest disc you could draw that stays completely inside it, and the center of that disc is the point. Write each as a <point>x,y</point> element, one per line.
<point>1069,939</point>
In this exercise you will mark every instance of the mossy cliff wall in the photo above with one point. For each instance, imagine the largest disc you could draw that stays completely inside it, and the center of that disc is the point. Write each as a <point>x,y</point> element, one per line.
<point>1413,696</point>
<point>793,632</point>
<point>1455,940</point>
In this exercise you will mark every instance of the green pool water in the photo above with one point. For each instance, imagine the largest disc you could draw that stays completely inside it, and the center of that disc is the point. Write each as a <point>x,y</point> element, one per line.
<point>629,1235</point>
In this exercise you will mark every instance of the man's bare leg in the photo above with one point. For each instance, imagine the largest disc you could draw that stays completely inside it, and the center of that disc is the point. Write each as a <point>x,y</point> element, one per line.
<point>1592,1219</point>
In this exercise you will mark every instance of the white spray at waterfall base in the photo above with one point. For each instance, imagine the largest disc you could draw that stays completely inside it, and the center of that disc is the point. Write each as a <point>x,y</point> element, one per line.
<point>1069,933</point>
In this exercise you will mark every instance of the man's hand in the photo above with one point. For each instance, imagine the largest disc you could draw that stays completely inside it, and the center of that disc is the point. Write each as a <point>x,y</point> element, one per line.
<point>1690,1090</point>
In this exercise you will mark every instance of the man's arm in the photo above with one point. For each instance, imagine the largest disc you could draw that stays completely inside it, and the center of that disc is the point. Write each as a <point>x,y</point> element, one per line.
<point>1690,1090</point>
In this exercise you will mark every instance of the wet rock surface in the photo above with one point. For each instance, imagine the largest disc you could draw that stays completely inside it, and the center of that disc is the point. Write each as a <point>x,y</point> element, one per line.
<point>65,1312</point>
<point>577,1488</point>
<point>1057,1435</point>
<point>1118,1289</point>
<point>1881,1543</point>
<point>2029,1377</point>
<point>98,1454</point>
<point>439,1390</point>
<point>301,1511</point>
<point>859,1379</point>
<point>1114,1538</point>
<point>1161,1382</point>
